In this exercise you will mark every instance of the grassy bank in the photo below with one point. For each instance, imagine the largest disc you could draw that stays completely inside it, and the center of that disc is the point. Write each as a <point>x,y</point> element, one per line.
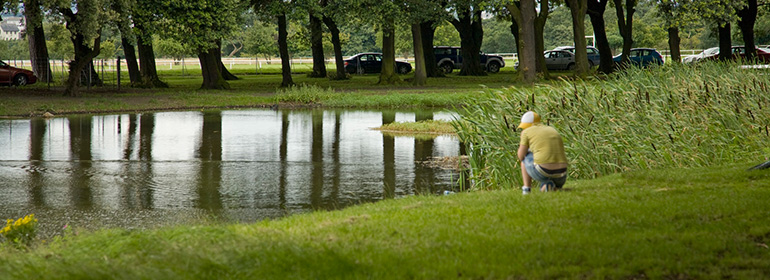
<point>251,90</point>
<point>682,224</point>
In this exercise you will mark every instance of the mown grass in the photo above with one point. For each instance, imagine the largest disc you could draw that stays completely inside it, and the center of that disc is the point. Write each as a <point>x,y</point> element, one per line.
<point>703,223</point>
<point>361,91</point>
<point>670,117</point>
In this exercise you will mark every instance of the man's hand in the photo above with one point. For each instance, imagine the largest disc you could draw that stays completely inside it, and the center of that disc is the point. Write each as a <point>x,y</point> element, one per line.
<point>522,153</point>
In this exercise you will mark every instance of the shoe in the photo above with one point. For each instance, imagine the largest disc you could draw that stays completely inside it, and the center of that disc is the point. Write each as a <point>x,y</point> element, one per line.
<point>525,190</point>
<point>548,187</point>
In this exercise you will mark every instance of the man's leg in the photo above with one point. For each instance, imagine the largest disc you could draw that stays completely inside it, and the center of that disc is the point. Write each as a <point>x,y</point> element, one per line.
<point>525,176</point>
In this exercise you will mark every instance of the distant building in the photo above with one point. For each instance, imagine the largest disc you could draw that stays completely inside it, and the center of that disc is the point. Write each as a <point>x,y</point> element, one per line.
<point>11,28</point>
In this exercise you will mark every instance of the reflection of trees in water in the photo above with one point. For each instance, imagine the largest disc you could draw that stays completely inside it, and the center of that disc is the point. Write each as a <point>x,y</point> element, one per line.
<point>80,149</point>
<point>136,188</point>
<point>135,174</point>
<point>282,155</point>
<point>389,158</point>
<point>37,128</point>
<point>210,155</point>
<point>424,180</point>
<point>316,160</point>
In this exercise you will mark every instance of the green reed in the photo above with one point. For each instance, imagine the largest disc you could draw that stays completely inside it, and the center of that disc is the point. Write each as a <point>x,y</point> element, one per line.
<point>669,117</point>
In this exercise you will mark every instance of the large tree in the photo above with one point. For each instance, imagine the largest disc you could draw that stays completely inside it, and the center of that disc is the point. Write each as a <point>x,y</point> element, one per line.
<point>747,17</point>
<point>147,23</point>
<point>467,20</point>
<point>676,14</point>
<point>388,71</point>
<point>543,12</point>
<point>419,12</point>
<point>524,17</point>
<point>127,39</point>
<point>315,12</point>
<point>595,12</point>
<point>201,25</point>
<point>721,13</point>
<point>433,14</point>
<point>84,20</point>
<point>578,12</point>
<point>625,25</point>
<point>38,49</point>
<point>278,10</point>
<point>284,50</point>
<point>333,12</point>
<point>428,31</point>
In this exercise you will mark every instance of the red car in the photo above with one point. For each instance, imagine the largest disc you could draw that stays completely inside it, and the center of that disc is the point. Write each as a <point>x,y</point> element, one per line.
<point>15,76</point>
<point>763,55</point>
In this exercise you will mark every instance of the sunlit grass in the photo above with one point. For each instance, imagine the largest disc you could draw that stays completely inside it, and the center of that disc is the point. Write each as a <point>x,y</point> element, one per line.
<point>702,223</point>
<point>426,127</point>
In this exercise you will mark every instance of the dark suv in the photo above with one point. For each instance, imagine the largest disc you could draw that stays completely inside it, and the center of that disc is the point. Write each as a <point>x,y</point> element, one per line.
<point>449,58</point>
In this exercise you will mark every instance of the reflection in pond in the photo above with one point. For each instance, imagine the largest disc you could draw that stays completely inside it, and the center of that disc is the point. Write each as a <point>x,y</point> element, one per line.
<point>142,170</point>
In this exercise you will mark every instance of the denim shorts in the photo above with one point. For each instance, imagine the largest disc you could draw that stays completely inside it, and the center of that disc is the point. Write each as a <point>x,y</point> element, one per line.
<point>529,164</point>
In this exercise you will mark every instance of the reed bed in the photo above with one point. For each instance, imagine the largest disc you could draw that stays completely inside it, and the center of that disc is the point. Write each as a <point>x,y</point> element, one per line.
<point>668,117</point>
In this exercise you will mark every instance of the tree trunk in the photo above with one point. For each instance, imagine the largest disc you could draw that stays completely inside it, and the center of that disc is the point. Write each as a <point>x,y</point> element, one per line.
<point>338,59</point>
<point>420,76</point>
<point>524,16</point>
<point>725,42</point>
<point>540,20</point>
<point>222,69</point>
<point>673,44</point>
<point>133,66</point>
<point>468,24</point>
<point>211,69</point>
<point>428,31</point>
<point>595,10</point>
<point>515,32</point>
<point>83,57</point>
<point>317,48</point>
<point>388,72</point>
<point>283,49</point>
<point>38,50</point>
<point>625,26</point>
<point>147,64</point>
<point>578,11</point>
<point>747,19</point>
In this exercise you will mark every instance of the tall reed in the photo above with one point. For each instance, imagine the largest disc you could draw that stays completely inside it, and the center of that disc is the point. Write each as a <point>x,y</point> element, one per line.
<point>669,117</point>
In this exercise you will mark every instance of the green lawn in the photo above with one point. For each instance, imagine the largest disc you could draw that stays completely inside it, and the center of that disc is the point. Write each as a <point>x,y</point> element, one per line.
<point>706,223</point>
<point>249,91</point>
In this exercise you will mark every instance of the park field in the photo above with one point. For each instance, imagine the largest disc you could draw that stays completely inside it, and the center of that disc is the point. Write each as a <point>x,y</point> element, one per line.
<point>659,188</point>
<point>250,90</point>
<point>702,223</point>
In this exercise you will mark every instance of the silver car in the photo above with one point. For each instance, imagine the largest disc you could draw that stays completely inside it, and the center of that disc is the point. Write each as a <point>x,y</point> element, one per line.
<point>559,60</point>
<point>704,53</point>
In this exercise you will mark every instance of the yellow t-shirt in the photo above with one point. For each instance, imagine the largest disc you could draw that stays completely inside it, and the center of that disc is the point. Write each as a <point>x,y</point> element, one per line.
<point>545,143</point>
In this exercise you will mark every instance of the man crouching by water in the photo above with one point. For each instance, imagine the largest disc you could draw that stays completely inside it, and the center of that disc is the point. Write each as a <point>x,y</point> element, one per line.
<point>541,153</point>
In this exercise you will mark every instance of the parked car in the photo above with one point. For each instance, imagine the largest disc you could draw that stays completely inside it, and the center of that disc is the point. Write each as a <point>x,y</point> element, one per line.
<point>701,55</point>
<point>10,75</point>
<point>642,57</point>
<point>449,58</point>
<point>560,60</point>
<point>593,54</point>
<point>372,63</point>
<point>763,55</point>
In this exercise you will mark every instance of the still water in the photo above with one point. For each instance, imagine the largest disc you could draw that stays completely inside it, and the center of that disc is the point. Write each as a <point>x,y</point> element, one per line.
<point>145,170</point>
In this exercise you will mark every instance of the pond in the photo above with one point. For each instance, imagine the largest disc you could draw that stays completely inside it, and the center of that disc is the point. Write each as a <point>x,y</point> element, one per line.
<point>158,169</point>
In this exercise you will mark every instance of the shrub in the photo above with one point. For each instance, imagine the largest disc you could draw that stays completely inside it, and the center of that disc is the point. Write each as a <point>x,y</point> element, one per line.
<point>20,232</point>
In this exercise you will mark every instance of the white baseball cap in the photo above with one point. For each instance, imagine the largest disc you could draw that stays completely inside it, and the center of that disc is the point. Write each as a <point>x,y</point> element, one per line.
<point>528,119</point>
